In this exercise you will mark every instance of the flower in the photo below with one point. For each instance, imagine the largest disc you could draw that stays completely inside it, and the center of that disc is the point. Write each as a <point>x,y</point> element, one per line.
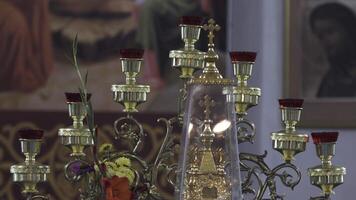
<point>79,168</point>
<point>117,188</point>
<point>121,168</point>
<point>122,161</point>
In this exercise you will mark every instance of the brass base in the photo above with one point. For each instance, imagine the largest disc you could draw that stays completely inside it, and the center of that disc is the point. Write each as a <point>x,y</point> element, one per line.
<point>29,188</point>
<point>76,139</point>
<point>187,62</point>
<point>327,178</point>
<point>243,97</point>
<point>289,144</point>
<point>130,96</point>
<point>29,176</point>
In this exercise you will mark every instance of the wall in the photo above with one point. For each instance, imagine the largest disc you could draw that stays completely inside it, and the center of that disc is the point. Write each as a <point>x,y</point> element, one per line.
<point>257,25</point>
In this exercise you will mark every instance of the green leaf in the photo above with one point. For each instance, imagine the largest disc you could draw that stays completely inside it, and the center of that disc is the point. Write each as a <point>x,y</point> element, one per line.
<point>86,78</point>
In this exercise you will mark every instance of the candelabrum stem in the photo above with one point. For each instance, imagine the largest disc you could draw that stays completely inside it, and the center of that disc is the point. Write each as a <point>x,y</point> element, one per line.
<point>189,45</point>
<point>130,80</point>
<point>325,151</point>
<point>78,121</point>
<point>29,188</point>
<point>30,158</point>
<point>242,82</point>
<point>290,126</point>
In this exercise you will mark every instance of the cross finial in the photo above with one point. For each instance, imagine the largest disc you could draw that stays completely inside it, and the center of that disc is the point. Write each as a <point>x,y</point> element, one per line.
<point>211,27</point>
<point>207,103</point>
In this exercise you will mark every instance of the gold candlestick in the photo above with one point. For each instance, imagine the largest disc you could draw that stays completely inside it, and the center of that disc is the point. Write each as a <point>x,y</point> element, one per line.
<point>29,173</point>
<point>289,142</point>
<point>77,136</point>
<point>326,176</point>
<point>244,96</point>
<point>188,60</point>
<point>130,94</point>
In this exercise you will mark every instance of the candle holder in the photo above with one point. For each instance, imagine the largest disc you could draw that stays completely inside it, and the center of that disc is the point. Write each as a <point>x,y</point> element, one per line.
<point>188,60</point>
<point>326,176</point>
<point>243,96</point>
<point>130,95</point>
<point>288,141</point>
<point>78,136</point>
<point>30,173</point>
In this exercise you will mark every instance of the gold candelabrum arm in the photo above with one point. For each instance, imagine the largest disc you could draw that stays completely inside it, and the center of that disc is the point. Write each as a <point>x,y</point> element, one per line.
<point>188,59</point>
<point>30,172</point>
<point>243,96</point>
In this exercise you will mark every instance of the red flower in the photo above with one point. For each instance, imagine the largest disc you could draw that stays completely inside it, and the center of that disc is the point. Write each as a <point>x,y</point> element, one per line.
<point>117,188</point>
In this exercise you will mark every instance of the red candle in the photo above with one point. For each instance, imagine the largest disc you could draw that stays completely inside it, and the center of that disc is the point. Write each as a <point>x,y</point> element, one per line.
<point>324,137</point>
<point>31,134</point>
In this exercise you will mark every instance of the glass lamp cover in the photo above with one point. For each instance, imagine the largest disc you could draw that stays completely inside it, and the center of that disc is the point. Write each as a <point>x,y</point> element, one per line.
<point>208,167</point>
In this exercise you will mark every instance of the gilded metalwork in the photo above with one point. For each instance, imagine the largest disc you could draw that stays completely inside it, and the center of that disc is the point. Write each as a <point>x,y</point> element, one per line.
<point>30,172</point>
<point>242,95</point>
<point>130,94</point>
<point>206,177</point>
<point>288,141</point>
<point>326,176</point>
<point>78,136</point>
<point>254,167</point>
<point>244,98</point>
<point>211,74</point>
<point>188,60</point>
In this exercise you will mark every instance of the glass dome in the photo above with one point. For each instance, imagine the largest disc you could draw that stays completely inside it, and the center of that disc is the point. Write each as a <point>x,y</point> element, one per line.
<point>208,167</point>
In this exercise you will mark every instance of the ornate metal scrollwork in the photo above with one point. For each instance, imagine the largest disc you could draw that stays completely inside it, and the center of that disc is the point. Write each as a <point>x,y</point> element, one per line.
<point>260,167</point>
<point>163,160</point>
<point>128,128</point>
<point>246,130</point>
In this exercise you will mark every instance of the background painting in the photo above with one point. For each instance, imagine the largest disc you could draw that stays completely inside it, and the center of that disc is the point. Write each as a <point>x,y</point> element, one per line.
<point>321,62</point>
<point>37,39</point>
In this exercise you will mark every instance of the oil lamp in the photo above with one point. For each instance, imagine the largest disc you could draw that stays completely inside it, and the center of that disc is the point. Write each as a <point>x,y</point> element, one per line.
<point>326,176</point>
<point>187,60</point>
<point>30,172</point>
<point>78,136</point>
<point>130,94</point>
<point>243,96</point>
<point>289,142</point>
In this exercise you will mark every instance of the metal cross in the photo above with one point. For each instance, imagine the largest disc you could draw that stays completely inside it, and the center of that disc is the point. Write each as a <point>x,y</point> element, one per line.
<point>211,27</point>
<point>207,103</point>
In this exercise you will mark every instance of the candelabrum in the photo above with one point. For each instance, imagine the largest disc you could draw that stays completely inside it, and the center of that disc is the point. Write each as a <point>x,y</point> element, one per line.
<point>30,173</point>
<point>213,115</point>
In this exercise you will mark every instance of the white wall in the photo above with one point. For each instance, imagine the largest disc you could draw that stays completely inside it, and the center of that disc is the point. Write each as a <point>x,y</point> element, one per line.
<point>257,25</point>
